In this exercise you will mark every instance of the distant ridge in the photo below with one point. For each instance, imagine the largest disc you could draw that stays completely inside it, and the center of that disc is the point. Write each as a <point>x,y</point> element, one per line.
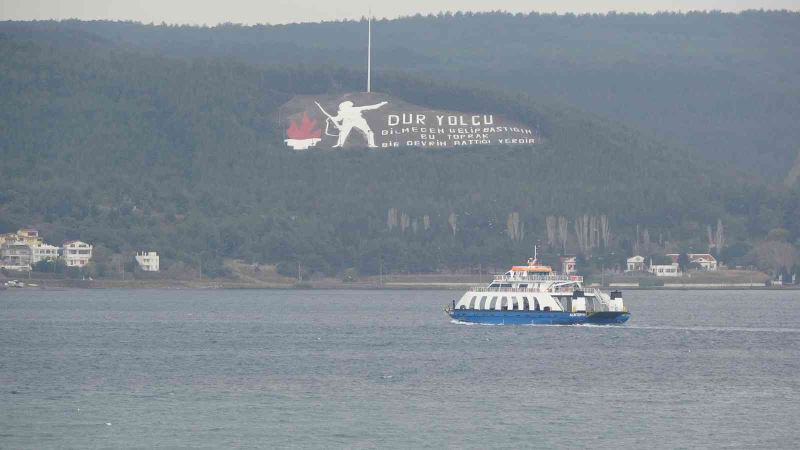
<point>131,148</point>
<point>720,84</point>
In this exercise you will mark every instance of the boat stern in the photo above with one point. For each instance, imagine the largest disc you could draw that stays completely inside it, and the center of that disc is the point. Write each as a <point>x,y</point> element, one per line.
<point>607,317</point>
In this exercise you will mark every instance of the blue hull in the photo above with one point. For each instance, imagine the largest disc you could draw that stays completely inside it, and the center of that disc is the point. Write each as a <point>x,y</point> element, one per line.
<point>493,317</point>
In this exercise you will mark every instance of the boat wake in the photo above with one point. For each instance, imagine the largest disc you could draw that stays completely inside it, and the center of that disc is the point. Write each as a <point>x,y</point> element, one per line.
<point>459,322</point>
<point>701,329</point>
<point>654,327</point>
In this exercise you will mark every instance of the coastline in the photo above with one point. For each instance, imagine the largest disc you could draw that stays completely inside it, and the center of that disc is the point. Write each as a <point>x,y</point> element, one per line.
<point>405,282</point>
<point>248,276</point>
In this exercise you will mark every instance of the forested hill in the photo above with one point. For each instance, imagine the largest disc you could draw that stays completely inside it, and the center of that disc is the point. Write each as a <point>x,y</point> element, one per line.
<point>133,151</point>
<point>724,85</point>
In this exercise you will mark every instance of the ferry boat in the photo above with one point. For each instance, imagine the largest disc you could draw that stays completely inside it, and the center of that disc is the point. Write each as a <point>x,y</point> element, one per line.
<point>535,295</point>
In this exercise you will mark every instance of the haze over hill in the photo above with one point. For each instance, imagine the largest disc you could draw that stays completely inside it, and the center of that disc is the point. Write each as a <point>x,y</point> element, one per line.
<point>134,136</point>
<point>282,11</point>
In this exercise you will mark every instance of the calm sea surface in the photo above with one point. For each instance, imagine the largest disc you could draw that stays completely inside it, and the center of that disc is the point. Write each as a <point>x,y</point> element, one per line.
<point>355,369</point>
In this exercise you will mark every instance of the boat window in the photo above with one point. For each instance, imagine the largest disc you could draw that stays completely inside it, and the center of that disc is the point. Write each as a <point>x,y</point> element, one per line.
<point>514,303</point>
<point>523,286</point>
<point>504,303</point>
<point>482,303</point>
<point>536,304</point>
<point>493,303</point>
<point>525,304</point>
<point>494,285</point>
<point>505,285</point>
<point>472,302</point>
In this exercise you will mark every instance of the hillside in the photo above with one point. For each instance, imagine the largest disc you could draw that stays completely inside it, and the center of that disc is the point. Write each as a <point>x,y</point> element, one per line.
<point>133,151</point>
<point>722,85</point>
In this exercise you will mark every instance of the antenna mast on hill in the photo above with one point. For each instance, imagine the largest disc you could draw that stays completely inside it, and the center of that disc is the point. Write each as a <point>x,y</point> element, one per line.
<point>369,52</point>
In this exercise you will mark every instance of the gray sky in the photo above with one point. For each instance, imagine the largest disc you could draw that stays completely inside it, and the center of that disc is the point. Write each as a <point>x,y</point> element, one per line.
<point>287,11</point>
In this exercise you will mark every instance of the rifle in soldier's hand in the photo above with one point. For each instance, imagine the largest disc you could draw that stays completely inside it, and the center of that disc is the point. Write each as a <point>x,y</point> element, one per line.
<point>330,120</point>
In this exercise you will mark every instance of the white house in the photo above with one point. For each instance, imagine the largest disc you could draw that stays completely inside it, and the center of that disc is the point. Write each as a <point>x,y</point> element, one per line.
<point>567,265</point>
<point>665,270</point>
<point>635,264</point>
<point>43,252</point>
<point>76,253</point>
<point>704,260</point>
<point>15,255</point>
<point>148,261</point>
<point>27,236</point>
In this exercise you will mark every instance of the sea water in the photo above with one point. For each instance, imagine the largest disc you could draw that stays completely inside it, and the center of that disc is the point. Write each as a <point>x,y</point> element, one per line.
<point>388,369</point>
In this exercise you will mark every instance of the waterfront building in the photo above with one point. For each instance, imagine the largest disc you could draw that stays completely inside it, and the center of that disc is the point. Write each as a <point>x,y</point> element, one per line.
<point>148,261</point>
<point>43,252</point>
<point>28,236</point>
<point>15,255</point>
<point>665,270</point>
<point>76,253</point>
<point>636,264</point>
<point>7,237</point>
<point>706,261</point>
<point>567,265</point>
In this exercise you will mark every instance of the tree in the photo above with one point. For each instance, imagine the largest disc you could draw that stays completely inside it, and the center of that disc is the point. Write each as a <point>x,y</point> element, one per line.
<point>583,268</point>
<point>683,262</point>
<point>453,221</point>
<point>49,266</point>
<point>131,265</point>
<point>228,188</point>
<point>778,234</point>
<point>775,256</point>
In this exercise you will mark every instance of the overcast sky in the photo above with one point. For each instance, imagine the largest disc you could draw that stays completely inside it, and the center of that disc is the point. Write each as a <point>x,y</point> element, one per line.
<point>288,11</point>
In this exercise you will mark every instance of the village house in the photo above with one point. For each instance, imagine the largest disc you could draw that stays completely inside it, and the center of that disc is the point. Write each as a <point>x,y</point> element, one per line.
<point>636,264</point>
<point>27,236</point>
<point>567,265</point>
<point>15,255</point>
<point>7,237</point>
<point>704,260</point>
<point>22,249</point>
<point>665,270</point>
<point>43,252</point>
<point>148,261</point>
<point>76,253</point>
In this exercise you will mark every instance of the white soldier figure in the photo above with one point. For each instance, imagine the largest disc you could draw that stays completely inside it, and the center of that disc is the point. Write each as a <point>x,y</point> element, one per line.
<point>350,117</point>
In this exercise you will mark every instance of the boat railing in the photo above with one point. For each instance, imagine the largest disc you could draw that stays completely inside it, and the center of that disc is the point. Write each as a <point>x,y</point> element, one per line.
<point>576,278</point>
<point>557,290</point>
<point>498,289</point>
